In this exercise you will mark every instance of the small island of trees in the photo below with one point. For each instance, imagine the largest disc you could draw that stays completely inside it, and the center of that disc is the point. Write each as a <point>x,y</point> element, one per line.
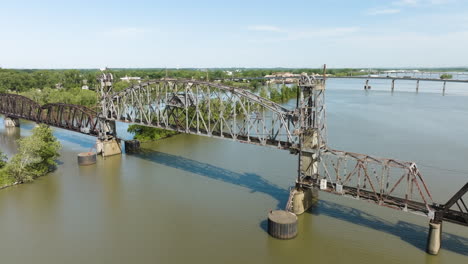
<point>36,157</point>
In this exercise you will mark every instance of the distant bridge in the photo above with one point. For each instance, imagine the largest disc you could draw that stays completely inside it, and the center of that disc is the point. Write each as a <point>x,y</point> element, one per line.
<point>403,78</point>
<point>368,78</point>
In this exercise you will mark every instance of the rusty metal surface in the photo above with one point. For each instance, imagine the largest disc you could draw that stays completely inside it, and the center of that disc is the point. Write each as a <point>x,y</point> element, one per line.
<point>387,182</point>
<point>67,116</point>
<point>456,209</point>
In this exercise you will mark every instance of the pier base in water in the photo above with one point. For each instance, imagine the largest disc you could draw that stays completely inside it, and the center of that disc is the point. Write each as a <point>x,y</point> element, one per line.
<point>433,238</point>
<point>282,224</point>
<point>11,122</point>
<point>86,158</point>
<point>303,199</point>
<point>108,147</point>
<point>132,146</point>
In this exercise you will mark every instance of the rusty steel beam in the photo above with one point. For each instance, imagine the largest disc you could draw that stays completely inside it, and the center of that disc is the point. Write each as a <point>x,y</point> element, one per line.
<point>455,210</point>
<point>66,116</point>
<point>386,182</point>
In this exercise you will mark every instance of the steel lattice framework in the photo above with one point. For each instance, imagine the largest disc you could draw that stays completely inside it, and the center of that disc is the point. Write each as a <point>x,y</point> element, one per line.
<point>387,182</point>
<point>216,110</point>
<point>205,108</point>
<point>67,116</point>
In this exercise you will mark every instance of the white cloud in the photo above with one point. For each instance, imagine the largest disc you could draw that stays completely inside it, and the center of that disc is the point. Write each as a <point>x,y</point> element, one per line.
<point>383,11</point>
<point>267,28</point>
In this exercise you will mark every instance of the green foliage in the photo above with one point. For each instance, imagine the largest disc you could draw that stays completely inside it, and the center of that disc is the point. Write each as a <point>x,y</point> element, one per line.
<point>283,94</point>
<point>3,160</point>
<point>121,85</point>
<point>36,155</point>
<point>446,76</point>
<point>25,80</point>
<point>72,96</point>
<point>263,93</point>
<point>5,179</point>
<point>144,133</point>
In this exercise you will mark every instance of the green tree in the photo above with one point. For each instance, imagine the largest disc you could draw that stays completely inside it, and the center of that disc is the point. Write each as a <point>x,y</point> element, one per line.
<point>263,93</point>
<point>3,159</point>
<point>446,76</point>
<point>144,133</point>
<point>36,155</point>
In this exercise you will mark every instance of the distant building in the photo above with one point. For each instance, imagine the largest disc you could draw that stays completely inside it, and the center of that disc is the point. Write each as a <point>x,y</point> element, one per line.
<point>128,79</point>
<point>283,77</point>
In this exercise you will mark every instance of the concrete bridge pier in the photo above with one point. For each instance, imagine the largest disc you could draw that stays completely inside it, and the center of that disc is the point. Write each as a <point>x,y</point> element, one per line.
<point>443,88</point>
<point>108,147</point>
<point>132,146</point>
<point>303,199</point>
<point>108,144</point>
<point>11,122</point>
<point>367,86</point>
<point>433,237</point>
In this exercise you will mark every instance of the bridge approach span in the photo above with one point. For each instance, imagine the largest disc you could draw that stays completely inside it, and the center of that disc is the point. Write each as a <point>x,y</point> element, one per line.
<point>76,118</point>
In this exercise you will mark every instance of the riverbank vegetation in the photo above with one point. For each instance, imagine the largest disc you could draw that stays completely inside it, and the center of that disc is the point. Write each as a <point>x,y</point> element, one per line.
<point>446,76</point>
<point>75,96</point>
<point>144,133</point>
<point>279,95</point>
<point>36,157</point>
<point>19,81</point>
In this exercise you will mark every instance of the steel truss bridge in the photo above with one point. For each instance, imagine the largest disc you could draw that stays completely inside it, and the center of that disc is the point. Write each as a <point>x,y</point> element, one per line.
<point>215,110</point>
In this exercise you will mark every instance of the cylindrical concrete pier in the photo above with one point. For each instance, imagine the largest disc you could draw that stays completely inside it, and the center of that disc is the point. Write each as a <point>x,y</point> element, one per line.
<point>433,238</point>
<point>86,158</point>
<point>282,224</point>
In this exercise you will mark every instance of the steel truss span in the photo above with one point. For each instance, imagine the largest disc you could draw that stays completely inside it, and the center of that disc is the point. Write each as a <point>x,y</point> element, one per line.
<point>205,108</point>
<point>217,110</point>
<point>386,182</point>
<point>67,116</point>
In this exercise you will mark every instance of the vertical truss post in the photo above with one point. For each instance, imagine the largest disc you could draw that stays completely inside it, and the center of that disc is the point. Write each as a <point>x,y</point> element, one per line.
<point>312,134</point>
<point>106,128</point>
<point>105,88</point>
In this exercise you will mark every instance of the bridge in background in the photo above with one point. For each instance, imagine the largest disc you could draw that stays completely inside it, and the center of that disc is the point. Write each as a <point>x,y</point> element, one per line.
<point>215,110</point>
<point>368,79</point>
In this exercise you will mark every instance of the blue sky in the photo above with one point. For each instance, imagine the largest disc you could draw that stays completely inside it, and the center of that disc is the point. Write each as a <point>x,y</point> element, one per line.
<point>138,33</point>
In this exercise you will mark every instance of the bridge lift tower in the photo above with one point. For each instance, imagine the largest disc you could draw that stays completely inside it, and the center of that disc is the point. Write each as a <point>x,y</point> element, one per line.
<point>107,143</point>
<point>312,141</point>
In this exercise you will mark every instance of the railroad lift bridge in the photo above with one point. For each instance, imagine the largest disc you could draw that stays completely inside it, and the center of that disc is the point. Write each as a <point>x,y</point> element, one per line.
<point>216,110</point>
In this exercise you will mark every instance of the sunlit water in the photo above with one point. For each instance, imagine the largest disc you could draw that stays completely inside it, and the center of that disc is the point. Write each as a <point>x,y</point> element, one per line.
<point>190,199</point>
